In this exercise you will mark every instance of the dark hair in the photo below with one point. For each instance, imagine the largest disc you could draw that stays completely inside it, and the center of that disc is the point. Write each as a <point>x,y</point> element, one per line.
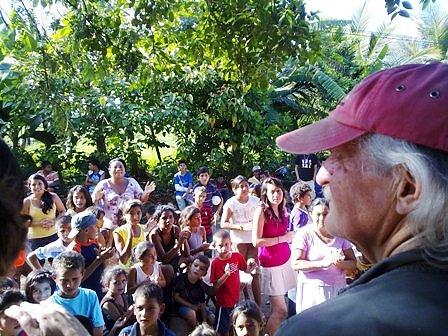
<point>298,189</point>
<point>62,220</point>
<point>68,260</point>
<point>161,209</point>
<point>202,170</point>
<point>250,309</point>
<point>12,224</point>
<point>125,207</point>
<point>150,291</point>
<point>78,188</point>
<point>141,248</point>
<point>86,323</point>
<point>96,211</point>
<point>186,215</point>
<point>94,162</point>
<point>117,159</point>
<point>10,296</point>
<point>45,164</point>
<point>319,201</point>
<point>236,181</point>
<point>111,273</point>
<point>264,198</point>
<point>46,201</point>
<point>37,277</point>
<point>7,283</point>
<point>221,234</point>
<point>149,208</point>
<point>203,259</point>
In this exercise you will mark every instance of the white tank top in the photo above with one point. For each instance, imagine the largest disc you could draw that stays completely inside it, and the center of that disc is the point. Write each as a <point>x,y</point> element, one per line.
<point>242,214</point>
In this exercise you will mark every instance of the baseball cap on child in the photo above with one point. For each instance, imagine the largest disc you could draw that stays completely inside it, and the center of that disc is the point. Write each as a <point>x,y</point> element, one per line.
<point>408,102</point>
<point>80,222</point>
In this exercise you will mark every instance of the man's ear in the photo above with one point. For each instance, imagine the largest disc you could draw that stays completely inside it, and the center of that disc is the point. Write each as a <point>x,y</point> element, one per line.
<point>162,308</point>
<point>408,191</point>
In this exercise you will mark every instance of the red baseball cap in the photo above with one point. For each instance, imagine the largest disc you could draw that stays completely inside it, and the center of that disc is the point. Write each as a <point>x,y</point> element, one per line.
<point>408,102</point>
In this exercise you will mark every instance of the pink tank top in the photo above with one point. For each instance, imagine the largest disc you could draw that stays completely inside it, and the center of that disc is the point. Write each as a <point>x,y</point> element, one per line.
<point>278,254</point>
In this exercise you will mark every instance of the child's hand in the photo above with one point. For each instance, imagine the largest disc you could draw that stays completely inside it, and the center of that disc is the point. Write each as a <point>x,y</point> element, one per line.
<point>184,235</point>
<point>107,253</point>
<point>205,247</point>
<point>251,265</point>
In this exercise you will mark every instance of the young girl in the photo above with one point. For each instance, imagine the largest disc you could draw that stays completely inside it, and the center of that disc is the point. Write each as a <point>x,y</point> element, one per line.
<point>114,304</point>
<point>42,206</point>
<point>147,269</point>
<point>237,216</point>
<point>127,236</point>
<point>78,200</point>
<point>190,220</point>
<point>248,319</point>
<point>270,234</point>
<point>39,286</point>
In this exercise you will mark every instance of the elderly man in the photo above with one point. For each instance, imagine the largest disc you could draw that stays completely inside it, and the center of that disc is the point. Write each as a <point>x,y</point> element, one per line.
<point>389,142</point>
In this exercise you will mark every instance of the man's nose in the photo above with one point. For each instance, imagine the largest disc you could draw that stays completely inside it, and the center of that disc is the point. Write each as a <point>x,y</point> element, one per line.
<point>323,175</point>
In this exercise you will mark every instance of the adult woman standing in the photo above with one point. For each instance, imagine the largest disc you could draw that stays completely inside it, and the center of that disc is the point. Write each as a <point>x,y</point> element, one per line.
<point>237,216</point>
<point>270,234</point>
<point>321,259</point>
<point>41,205</point>
<point>116,189</point>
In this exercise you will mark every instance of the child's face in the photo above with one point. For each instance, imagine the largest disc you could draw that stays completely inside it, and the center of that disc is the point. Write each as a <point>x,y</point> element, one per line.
<point>274,194</point>
<point>9,326</point>
<point>200,197</point>
<point>306,199</point>
<point>242,190</point>
<point>195,220</point>
<point>79,200</point>
<point>203,178</point>
<point>100,221</point>
<point>68,282</point>
<point>133,216</point>
<point>91,232</point>
<point>166,220</point>
<point>223,246</point>
<point>198,269</point>
<point>149,257</point>
<point>246,326</point>
<point>117,285</point>
<point>41,291</point>
<point>63,231</point>
<point>37,187</point>
<point>147,311</point>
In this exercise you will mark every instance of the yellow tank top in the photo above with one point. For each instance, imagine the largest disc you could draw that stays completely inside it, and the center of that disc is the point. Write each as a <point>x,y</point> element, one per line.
<point>37,215</point>
<point>123,233</point>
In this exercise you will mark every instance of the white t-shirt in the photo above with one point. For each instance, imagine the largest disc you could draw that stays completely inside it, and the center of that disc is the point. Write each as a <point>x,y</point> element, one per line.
<point>242,214</point>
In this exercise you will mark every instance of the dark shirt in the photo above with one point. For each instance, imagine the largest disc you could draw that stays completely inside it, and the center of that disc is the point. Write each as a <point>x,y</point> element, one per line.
<point>401,295</point>
<point>192,293</point>
<point>307,164</point>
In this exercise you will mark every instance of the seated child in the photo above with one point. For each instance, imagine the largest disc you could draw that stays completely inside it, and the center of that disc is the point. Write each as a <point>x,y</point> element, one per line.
<point>147,269</point>
<point>148,306</point>
<point>189,292</point>
<point>203,330</point>
<point>225,277</point>
<point>94,175</point>
<point>114,304</point>
<point>84,231</point>
<point>8,325</point>
<point>51,250</point>
<point>39,286</point>
<point>99,214</point>
<point>69,268</point>
<point>248,319</point>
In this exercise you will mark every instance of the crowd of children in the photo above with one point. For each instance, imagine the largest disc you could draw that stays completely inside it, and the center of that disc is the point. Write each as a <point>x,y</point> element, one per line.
<point>133,279</point>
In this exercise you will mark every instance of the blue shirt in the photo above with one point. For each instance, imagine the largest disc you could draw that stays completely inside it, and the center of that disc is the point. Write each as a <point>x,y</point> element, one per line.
<point>85,303</point>
<point>183,181</point>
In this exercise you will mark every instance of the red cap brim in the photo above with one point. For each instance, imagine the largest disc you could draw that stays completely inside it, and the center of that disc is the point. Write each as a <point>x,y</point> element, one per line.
<point>324,134</point>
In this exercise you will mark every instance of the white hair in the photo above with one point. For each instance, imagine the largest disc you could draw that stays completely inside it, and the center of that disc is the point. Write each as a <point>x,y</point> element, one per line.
<point>429,167</point>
